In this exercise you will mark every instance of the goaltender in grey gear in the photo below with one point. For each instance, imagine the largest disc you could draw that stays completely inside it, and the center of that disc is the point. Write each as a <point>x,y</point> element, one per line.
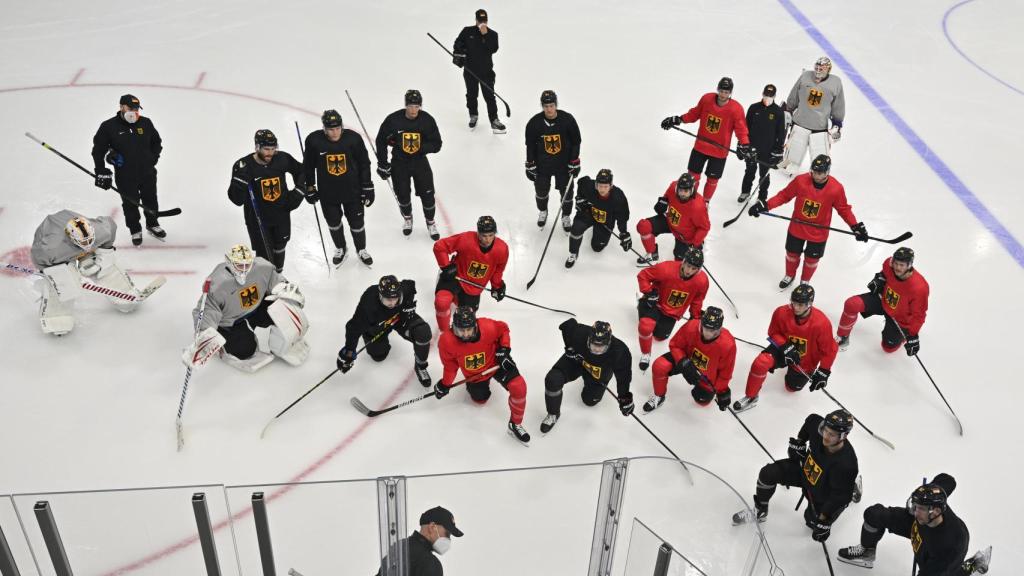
<point>250,316</point>
<point>816,98</point>
<point>73,251</point>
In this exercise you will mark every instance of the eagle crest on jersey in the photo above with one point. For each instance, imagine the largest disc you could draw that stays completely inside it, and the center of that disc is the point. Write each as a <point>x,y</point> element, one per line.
<point>810,209</point>
<point>713,124</point>
<point>270,188</point>
<point>411,142</point>
<point>474,361</point>
<point>552,143</point>
<point>600,216</point>
<point>814,97</point>
<point>336,164</point>
<point>915,537</point>
<point>139,130</point>
<point>477,269</point>
<point>811,470</point>
<point>677,298</point>
<point>249,296</point>
<point>800,344</point>
<point>673,216</point>
<point>699,359</point>
<point>892,298</point>
<point>595,371</point>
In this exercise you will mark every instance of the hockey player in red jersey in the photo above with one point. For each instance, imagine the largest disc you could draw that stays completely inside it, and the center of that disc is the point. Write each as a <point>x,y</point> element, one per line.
<point>801,338</point>
<point>704,353</point>
<point>898,292</point>
<point>474,345</point>
<point>479,257</point>
<point>669,289</point>
<point>720,116</point>
<point>680,212</point>
<point>816,195</point>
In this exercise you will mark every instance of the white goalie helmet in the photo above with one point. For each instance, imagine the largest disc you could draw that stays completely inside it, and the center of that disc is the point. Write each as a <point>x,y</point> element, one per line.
<point>822,67</point>
<point>81,232</point>
<point>240,257</point>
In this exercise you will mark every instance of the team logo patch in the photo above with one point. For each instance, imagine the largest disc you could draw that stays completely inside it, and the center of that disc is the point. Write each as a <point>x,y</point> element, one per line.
<point>477,269</point>
<point>915,537</point>
<point>552,143</point>
<point>139,130</point>
<point>594,371</point>
<point>677,298</point>
<point>713,124</point>
<point>800,343</point>
<point>812,471</point>
<point>249,296</point>
<point>474,361</point>
<point>270,188</point>
<point>336,164</point>
<point>810,209</point>
<point>673,216</point>
<point>699,360</point>
<point>892,298</point>
<point>600,216</point>
<point>814,97</point>
<point>411,142</point>
<point>771,116</point>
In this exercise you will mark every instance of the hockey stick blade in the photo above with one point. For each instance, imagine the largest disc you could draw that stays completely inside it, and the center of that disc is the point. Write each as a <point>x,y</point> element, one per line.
<point>181,434</point>
<point>358,405</point>
<point>905,236</point>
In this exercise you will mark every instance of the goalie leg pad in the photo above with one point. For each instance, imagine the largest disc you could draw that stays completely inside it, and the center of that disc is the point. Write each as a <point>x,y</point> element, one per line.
<point>796,146</point>
<point>55,316</point>
<point>65,281</point>
<point>820,143</point>
<point>284,338</point>
<point>250,364</point>
<point>111,276</point>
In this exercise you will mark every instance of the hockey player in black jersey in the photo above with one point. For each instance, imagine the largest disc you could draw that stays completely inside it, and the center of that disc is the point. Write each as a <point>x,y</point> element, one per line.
<point>938,537</point>
<point>594,354</point>
<point>552,151</point>
<point>822,463</point>
<point>411,134</point>
<point>387,306</point>
<point>337,170</point>
<point>258,185</point>
<point>599,204</point>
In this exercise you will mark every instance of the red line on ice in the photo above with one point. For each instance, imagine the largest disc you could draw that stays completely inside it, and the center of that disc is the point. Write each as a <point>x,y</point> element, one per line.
<point>202,75</point>
<point>77,75</point>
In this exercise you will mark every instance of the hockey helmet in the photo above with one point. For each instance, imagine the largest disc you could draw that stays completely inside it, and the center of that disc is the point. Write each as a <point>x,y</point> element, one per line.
<point>822,67</point>
<point>904,254</point>
<point>839,421</point>
<point>240,259</point>
<point>548,97</point>
<point>390,291</point>
<point>712,318</point>
<point>600,337</point>
<point>265,139</point>
<point>931,496</point>
<point>821,163</point>
<point>331,119</point>
<point>81,233</point>
<point>604,176</point>
<point>693,256</point>
<point>802,294</point>
<point>486,225</point>
<point>725,84</point>
<point>413,98</point>
<point>464,324</point>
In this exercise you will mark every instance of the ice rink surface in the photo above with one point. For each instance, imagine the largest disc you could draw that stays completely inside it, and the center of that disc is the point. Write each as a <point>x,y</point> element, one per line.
<point>929,145</point>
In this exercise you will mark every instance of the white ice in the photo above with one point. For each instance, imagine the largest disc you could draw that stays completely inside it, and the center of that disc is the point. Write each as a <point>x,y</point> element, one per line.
<point>94,410</point>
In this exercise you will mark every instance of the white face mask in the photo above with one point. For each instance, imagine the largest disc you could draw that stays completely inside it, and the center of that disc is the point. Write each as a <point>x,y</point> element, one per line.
<point>442,545</point>
<point>131,116</point>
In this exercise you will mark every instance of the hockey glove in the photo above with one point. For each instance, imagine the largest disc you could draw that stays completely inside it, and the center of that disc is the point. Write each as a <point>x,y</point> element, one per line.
<point>115,159</point>
<point>503,357</point>
<point>724,399</point>
<point>498,293</point>
<point>797,449</point>
<point>206,345</point>
<point>661,206</point>
<point>913,345</point>
<point>104,179</point>
<point>625,241</point>
<point>346,357</point>
<point>626,403</point>
<point>384,170</point>
<point>531,171</point>
<point>440,390</point>
<point>650,298</point>
<point>368,195</point>
<point>836,133</point>
<point>287,291</point>
<point>877,284</point>
<point>759,207</point>
<point>88,266</point>
<point>745,153</point>
<point>860,232</point>
<point>408,313</point>
<point>459,60</point>
<point>690,372</point>
<point>311,194</point>
<point>776,158</point>
<point>448,272</point>
<point>790,354</point>
<point>819,378</point>
<point>572,354</point>
<point>582,204</point>
<point>820,531</point>
<point>574,167</point>
<point>671,121</point>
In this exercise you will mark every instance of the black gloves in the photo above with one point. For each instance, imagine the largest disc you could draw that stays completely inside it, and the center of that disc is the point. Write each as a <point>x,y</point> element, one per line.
<point>724,399</point>
<point>759,207</point>
<point>440,390</point>
<point>626,403</point>
<point>797,449</point>
<point>913,345</point>
<point>346,357</point>
<point>625,241</point>
<point>384,170</point>
<point>819,378</point>
<point>498,293</point>
<point>311,194</point>
<point>661,206</point>
<point>671,121</point>
<point>531,171</point>
<point>877,284</point>
<point>574,167</point>
<point>860,232</point>
<point>367,195</point>
<point>104,179</point>
<point>448,272</point>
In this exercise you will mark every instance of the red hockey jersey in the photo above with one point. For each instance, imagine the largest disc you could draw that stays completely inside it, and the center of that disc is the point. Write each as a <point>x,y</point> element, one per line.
<point>688,220</point>
<point>674,293</point>
<point>472,357</point>
<point>715,360</point>
<point>905,301</point>
<point>813,205</point>
<point>812,337</point>
<point>472,263</point>
<point>717,123</point>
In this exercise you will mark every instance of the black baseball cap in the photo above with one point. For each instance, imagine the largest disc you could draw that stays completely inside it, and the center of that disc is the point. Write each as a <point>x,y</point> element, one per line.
<point>441,517</point>
<point>769,91</point>
<point>131,102</point>
<point>481,15</point>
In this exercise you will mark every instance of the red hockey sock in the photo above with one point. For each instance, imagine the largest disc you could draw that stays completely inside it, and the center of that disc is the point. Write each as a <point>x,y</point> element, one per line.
<point>517,399</point>
<point>696,180</point>
<point>646,330</point>
<point>645,228</point>
<point>758,372</point>
<point>709,188</point>
<point>443,309</point>
<point>810,265</point>
<point>792,261</point>
<point>661,369</point>
<point>854,306</point>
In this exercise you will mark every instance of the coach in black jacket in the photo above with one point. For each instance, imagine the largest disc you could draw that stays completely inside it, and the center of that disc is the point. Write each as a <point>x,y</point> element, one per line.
<point>473,49</point>
<point>767,124</point>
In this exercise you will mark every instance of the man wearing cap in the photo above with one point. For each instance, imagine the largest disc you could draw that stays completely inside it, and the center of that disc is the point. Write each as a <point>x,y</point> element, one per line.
<point>473,50</point>
<point>767,125</point>
<point>437,525</point>
<point>130,143</point>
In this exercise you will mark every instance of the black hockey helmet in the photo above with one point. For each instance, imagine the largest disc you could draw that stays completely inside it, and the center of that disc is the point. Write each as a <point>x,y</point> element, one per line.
<point>331,119</point>
<point>389,287</point>
<point>685,181</point>
<point>802,294</point>
<point>931,495</point>
<point>839,421</point>
<point>694,256</point>
<point>769,91</point>
<point>604,176</point>
<point>265,139</point>
<point>413,97</point>
<point>904,254</point>
<point>464,318</point>
<point>486,225</point>
<point>600,337</point>
<point>712,318</point>
<point>548,97</point>
<point>725,84</point>
<point>821,163</point>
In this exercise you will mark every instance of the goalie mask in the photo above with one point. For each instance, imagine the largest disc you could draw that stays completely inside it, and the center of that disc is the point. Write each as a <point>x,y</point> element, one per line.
<point>822,68</point>
<point>81,233</point>
<point>240,259</point>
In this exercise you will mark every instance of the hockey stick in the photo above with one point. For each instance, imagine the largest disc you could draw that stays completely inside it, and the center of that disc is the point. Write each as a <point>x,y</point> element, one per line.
<point>179,426</point>
<point>372,147</point>
<point>480,286</point>
<point>731,303</point>
<point>743,208</point>
<point>824,547</point>
<point>713,143</point>
<point>742,423</point>
<point>896,240</point>
<point>390,323</point>
<point>689,475</point>
<point>932,380</point>
<point>320,231</point>
<point>157,213</point>
<point>633,250</point>
<point>259,222</point>
<point>363,409</point>
<point>561,207</point>
<point>86,285</point>
<point>508,111</point>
